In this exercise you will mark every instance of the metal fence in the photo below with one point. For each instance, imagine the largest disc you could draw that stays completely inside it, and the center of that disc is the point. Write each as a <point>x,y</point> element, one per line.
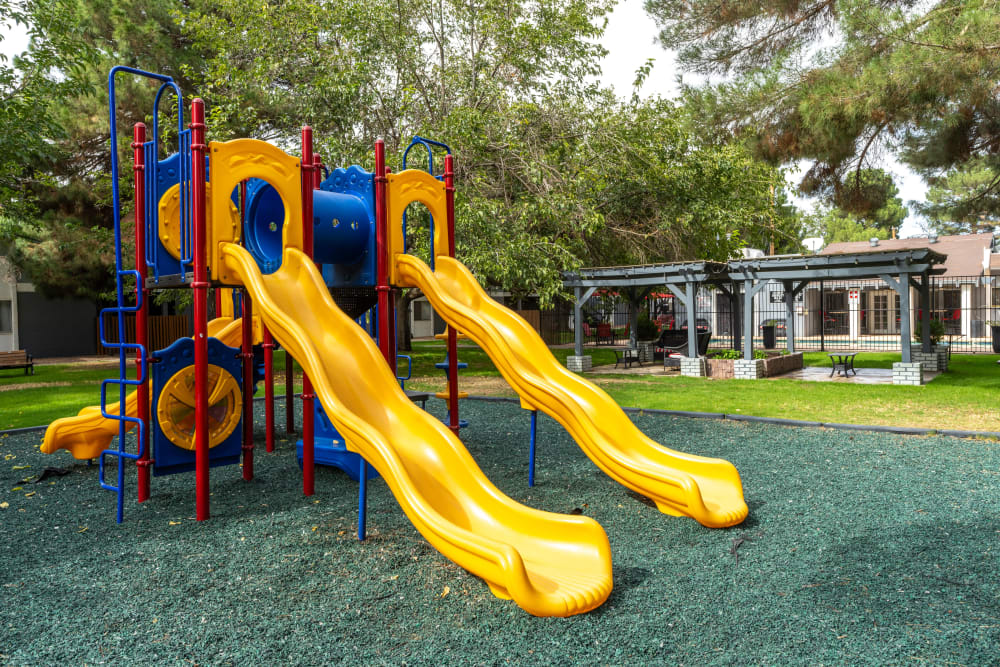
<point>828,315</point>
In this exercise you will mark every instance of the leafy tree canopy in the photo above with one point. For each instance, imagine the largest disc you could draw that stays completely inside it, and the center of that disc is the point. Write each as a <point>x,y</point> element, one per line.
<point>552,170</point>
<point>960,201</point>
<point>840,81</point>
<point>835,225</point>
<point>61,237</point>
<point>869,208</point>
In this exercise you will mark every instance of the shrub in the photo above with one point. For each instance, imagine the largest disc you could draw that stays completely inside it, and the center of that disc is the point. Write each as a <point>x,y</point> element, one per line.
<point>937,331</point>
<point>646,329</point>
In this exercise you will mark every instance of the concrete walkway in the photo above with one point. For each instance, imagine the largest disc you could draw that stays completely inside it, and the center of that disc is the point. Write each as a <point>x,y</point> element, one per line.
<point>864,376</point>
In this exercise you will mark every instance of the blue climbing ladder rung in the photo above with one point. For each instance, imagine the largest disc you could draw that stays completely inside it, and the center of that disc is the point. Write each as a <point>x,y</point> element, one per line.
<point>186,231</point>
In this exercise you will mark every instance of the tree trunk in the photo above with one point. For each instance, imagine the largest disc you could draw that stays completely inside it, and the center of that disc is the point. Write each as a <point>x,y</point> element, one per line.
<point>404,303</point>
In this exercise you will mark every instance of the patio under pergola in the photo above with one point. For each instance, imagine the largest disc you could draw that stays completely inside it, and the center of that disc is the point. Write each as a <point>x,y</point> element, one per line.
<point>899,269</point>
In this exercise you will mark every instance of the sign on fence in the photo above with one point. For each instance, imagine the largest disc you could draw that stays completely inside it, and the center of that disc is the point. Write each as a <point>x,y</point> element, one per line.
<point>779,296</point>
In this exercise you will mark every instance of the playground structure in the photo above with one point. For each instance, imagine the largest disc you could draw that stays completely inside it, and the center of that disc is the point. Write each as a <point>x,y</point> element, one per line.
<point>310,258</point>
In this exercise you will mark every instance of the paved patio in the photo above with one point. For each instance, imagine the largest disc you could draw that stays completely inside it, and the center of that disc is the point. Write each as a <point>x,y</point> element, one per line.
<point>647,368</point>
<point>864,376</point>
<point>809,373</point>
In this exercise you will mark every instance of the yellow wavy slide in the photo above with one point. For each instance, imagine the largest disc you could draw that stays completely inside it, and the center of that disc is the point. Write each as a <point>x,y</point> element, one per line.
<point>88,433</point>
<point>550,564</point>
<point>705,489</point>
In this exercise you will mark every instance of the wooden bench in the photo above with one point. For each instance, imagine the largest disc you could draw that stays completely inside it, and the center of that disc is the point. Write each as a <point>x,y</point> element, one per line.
<point>17,359</point>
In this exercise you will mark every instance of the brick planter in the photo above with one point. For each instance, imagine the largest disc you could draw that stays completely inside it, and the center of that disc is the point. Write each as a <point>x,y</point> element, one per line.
<point>782,364</point>
<point>720,369</point>
<point>724,369</point>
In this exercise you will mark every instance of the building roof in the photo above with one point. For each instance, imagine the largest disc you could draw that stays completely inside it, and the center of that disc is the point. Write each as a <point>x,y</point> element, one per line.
<point>966,252</point>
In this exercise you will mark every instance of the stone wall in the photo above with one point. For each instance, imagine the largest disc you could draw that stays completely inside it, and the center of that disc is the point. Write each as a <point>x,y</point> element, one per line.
<point>781,364</point>
<point>748,369</point>
<point>579,364</point>
<point>910,374</point>
<point>942,357</point>
<point>721,369</point>
<point>693,366</point>
<point>935,360</point>
<point>724,369</point>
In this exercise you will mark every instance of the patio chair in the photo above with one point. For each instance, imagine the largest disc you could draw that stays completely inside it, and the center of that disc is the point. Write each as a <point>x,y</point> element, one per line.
<point>674,348</point>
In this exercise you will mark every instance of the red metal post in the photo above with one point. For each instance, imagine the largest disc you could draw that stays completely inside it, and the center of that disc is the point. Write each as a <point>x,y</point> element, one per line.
<point>218,301</point>
<point>200,286</point>
<point>308,442</point>
<point>247,353</point>
<point>449,190</point>
<point>268,345</point>
<point>382,250</point>
<point>141,317</point>
<point>391,314</point>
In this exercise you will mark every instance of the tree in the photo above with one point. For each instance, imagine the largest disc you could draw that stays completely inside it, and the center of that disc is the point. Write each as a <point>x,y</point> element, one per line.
<point>28,96</point>
<point>835,226</point>
<point>841,81</point>
<point>961,202</point>
<point>61,237</point>
<point>665,195</point>
<point>552,171</point>
<point>865,207</point>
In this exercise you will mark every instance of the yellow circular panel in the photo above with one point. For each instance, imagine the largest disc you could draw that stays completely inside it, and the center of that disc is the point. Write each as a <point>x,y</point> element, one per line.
<point>176,406</point>
<point>170,218</point>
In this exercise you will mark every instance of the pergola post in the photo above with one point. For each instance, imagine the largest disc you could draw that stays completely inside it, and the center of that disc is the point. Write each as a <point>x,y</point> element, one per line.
<point>791,292</point>
<point>925,313</point>
<point>789,316</point>
<point>633,319</point>
<point>579,363</point>
<point>734,316</point>
<point>692,308</point>
<point>902,286</point>
<point>749,292</point>
<point>578,321</point>
<point>687,296</point>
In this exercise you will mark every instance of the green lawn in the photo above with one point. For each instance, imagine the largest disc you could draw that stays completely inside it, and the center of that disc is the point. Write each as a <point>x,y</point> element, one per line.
<point>964,398</point>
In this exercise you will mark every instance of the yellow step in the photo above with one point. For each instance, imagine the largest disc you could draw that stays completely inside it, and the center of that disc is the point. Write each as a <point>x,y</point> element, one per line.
<point>445,395</point>
<point>444,336</point>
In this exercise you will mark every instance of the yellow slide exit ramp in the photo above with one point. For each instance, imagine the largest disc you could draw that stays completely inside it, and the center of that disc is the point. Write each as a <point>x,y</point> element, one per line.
<point>550,564</point>
<point>88,433</point>
<point>705,489</point>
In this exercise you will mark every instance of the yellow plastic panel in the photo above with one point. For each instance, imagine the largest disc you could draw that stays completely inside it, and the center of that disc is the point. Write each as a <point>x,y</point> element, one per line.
<point>233,161</point>
<point>175,408</point>
<point>406,187</point>
<point>549,564</point>
<point>170,219</point>
<point>88,433</point>
<point>705,489</point>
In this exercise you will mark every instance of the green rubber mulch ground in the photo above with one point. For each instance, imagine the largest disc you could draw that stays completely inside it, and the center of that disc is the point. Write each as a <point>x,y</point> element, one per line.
<point>859,548</point>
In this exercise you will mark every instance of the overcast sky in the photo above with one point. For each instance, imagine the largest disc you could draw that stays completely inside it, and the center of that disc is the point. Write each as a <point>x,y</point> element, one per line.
<point>630,40</point>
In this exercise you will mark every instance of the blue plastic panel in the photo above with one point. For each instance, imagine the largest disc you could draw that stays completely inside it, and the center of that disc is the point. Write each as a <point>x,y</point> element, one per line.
<point>169,458</point>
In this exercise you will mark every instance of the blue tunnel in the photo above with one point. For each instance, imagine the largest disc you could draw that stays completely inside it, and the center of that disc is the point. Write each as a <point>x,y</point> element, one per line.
<point>343,226</point>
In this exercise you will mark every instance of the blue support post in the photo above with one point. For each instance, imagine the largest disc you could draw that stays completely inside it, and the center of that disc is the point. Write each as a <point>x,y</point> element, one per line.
<point>531,452</point>
<point>363,500</point>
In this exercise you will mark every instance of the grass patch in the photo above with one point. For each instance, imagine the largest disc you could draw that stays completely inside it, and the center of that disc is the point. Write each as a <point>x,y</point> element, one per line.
<point>963,398</point>
<point>62,390</point>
